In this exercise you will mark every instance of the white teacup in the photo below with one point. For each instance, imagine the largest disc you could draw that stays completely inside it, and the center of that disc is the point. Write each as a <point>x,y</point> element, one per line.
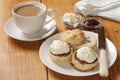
<point>31,25</point>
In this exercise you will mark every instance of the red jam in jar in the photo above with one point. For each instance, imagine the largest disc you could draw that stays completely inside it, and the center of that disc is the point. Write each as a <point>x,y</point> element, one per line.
<point>92,23</point>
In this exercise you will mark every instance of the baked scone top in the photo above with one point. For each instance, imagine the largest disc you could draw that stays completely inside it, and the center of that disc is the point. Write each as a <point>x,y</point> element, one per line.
<point>73,37</point>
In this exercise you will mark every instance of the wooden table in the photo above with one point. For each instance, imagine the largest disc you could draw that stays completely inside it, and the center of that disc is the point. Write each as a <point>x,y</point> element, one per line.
<point>19,60</point>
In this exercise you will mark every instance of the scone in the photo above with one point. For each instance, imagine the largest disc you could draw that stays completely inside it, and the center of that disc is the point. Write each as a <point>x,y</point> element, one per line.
<point>84,59</point>
<point>90,42</point>
<point>74,37</point>
<point>60,51</point>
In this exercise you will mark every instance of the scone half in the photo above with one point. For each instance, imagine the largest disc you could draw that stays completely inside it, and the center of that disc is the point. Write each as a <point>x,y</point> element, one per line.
<point>61,57</point>
<point>90,42</point>
<point>81,65</point>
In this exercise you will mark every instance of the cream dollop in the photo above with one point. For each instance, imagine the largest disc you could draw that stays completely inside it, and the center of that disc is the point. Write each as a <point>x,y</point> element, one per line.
<point>86,54</point>
<point>59,47</point>
<point>71,19</point>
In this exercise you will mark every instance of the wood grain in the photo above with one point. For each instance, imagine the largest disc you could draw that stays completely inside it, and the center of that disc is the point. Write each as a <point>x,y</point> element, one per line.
<point>18,60</point>
<point>112,29</point>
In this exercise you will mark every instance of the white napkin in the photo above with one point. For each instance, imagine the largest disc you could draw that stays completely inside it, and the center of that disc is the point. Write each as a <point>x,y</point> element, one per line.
<point>105,8</point>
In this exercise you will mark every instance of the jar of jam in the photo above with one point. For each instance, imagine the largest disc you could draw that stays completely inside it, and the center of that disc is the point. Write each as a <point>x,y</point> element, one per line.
<point>92,23</point>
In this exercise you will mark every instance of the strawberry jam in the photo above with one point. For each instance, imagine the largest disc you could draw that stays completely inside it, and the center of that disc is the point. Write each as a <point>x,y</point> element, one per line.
<point>92,23</point>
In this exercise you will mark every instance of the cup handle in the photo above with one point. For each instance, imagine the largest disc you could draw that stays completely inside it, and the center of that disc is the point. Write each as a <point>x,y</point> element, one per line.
<point>52,17</point>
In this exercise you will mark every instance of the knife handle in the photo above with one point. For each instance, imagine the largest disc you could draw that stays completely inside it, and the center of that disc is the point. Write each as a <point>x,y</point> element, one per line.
<point>103,68</point>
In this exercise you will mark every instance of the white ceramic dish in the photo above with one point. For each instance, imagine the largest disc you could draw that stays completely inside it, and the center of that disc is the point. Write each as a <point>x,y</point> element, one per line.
<point>14,32</point>
<point>66,68</point>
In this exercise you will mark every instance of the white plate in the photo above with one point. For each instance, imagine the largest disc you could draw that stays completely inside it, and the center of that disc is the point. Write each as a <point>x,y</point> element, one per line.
<point>14,32</point>
<point>66,68</point>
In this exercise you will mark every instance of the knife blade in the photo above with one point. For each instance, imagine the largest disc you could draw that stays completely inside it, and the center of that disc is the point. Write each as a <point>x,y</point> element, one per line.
<point>101,38</point>
<point>103,68</point>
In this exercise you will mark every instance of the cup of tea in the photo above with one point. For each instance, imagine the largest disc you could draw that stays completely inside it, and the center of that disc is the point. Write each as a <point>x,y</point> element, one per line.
<point>30,16</point>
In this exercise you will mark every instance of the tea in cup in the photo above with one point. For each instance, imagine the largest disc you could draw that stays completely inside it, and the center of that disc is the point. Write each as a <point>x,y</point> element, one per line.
<point>30,16</point>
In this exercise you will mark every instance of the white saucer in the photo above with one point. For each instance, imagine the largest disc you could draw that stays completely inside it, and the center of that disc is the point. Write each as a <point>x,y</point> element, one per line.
<point>14,32</point>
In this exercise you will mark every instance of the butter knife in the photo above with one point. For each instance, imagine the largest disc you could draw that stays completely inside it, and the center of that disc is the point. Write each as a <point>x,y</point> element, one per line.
<point>103,68</point>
